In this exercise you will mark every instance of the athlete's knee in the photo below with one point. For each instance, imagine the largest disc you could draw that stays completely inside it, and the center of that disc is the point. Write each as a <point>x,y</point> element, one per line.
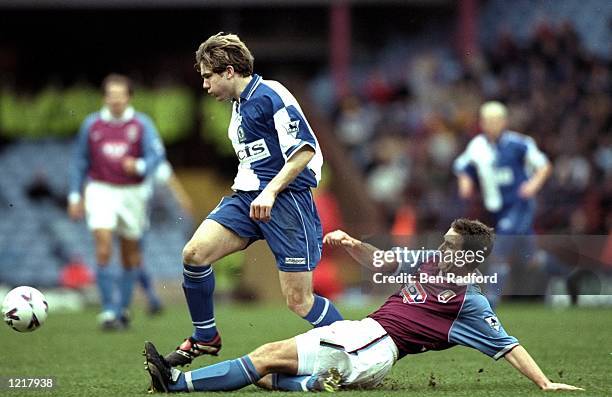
<point>271,357</point>
<point>299,301</point>
<point>196,253</point>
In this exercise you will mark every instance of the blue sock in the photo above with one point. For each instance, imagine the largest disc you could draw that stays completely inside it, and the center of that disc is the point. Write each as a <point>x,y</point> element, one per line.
<point>224,376</point>
<point>144,278</point>
<point>198,286</point>
<point>106,285</point>
<point>292,382</point>
<point>323,312</point>
<point>126,288</point>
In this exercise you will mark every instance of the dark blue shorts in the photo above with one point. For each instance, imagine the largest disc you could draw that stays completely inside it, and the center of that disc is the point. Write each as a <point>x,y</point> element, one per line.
<point>514,231</point>
<point>294,233</point>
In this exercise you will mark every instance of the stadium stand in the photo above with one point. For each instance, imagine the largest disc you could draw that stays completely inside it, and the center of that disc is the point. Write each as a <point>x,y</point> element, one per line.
<point>36,237</point>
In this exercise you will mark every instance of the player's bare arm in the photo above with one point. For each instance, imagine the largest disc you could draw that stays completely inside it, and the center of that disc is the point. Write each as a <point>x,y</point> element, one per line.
<point>466,186</point>
<point>532,186</point>
<point>520,359</point>
<point>261,207</point>
<point>360,251</point>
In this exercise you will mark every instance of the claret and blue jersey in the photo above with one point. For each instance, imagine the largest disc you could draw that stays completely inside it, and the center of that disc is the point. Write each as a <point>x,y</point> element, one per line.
<point>267,127</point>
<point>438,316</point>
<point>104,141</point>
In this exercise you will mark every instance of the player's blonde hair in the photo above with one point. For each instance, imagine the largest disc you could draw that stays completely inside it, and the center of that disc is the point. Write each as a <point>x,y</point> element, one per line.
<point>493,109</point>
<point>222,50</point>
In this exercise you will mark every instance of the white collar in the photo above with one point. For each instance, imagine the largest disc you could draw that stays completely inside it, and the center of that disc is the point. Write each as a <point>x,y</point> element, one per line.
<point>106,115</point>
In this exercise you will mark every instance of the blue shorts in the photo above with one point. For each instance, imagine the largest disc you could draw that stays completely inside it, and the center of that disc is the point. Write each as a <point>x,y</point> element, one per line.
<point>514,231</point>
<point>294,233</point>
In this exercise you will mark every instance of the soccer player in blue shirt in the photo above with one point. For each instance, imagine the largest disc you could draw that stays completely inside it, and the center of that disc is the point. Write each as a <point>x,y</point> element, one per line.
<point>510,170</point>
<point>279,162</point>
<point>115,150</point>
<point>420,317</point>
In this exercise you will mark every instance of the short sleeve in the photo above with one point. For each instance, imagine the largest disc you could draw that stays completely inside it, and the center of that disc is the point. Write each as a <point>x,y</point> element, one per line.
<point>293,130</point>
<point>478,327</point>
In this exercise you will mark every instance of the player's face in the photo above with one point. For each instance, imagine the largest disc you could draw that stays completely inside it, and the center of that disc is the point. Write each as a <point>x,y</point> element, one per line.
<point>493,126</point>
<point>217,85</point>
<point>452,242</point>
<point>117,98</point>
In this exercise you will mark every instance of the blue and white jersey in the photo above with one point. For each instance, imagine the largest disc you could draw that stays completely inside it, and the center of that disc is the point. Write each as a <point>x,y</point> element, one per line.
<point>500,167</point>
<point>266,129</point>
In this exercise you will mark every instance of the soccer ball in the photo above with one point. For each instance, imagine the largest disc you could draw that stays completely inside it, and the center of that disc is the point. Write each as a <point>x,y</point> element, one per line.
<point>24,309</point>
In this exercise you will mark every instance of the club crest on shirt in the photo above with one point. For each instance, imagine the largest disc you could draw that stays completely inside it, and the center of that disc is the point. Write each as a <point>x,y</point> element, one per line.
<point>493,322</point>
<point>293,127</point>
<point>241,135</point>
<point>96,135</point>
<point>446,295</point>
<point>413,293</point>
<point>132,133</point>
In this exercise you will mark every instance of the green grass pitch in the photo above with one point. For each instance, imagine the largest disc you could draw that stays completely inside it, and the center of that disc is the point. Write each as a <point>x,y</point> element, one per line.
<point>572,346</point>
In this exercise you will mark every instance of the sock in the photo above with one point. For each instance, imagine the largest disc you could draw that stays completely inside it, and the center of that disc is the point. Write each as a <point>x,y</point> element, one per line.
<point>224,376</point>
<point>126,288</point>
<point>292,382</point>
<point>106,286</point>
<point>198,286</point>
<point>323,312</point>
<point>144,278</point>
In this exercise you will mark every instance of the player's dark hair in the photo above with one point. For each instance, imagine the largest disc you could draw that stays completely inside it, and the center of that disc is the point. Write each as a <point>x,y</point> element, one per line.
<point>476,236</point>
<point>115,78</point>
<point>223,50</point>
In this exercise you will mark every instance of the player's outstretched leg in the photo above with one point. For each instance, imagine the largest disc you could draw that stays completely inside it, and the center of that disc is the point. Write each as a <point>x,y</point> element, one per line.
<point>224,376</point>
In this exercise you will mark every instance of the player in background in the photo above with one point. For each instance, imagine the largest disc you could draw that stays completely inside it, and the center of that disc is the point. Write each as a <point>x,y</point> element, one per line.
<point>279,162</point>
<point>510,170</point>
<point>359,354</point>
<point>163,177</point>
<point>116,148</point>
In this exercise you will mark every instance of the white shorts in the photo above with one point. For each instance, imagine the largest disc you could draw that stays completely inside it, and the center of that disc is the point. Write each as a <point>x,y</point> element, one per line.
<point>361,351</point>
<point>122,209</point>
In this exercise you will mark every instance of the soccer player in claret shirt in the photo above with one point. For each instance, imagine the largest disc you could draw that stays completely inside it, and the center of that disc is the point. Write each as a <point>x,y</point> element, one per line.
<point>359,354</point>
<point>510,170</point>
<point>279,162</point>
<point>115,150</point>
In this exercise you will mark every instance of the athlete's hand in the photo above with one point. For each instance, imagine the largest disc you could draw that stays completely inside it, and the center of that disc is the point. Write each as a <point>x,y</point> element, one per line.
<point>261,207</point>
<point>129,165</point>
<point>339,238</point>
<point>76,210</point>
<point>466,186</point>
<point>559,386</point>
<point>527,190</point>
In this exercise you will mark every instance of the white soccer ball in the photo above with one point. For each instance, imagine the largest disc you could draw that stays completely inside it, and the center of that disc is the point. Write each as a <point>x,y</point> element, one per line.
<point>24,309</point>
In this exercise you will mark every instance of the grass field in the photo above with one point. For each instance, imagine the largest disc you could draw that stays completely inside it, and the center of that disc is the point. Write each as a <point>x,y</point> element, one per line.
<point>572,346</point>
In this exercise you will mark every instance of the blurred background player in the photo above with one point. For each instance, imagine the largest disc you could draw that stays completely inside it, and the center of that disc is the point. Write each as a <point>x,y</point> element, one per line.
<point>163,178</point>
<point>115,150</point>
<point>280,161</point>
<point>510,170</point>
<point>359,354</point>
